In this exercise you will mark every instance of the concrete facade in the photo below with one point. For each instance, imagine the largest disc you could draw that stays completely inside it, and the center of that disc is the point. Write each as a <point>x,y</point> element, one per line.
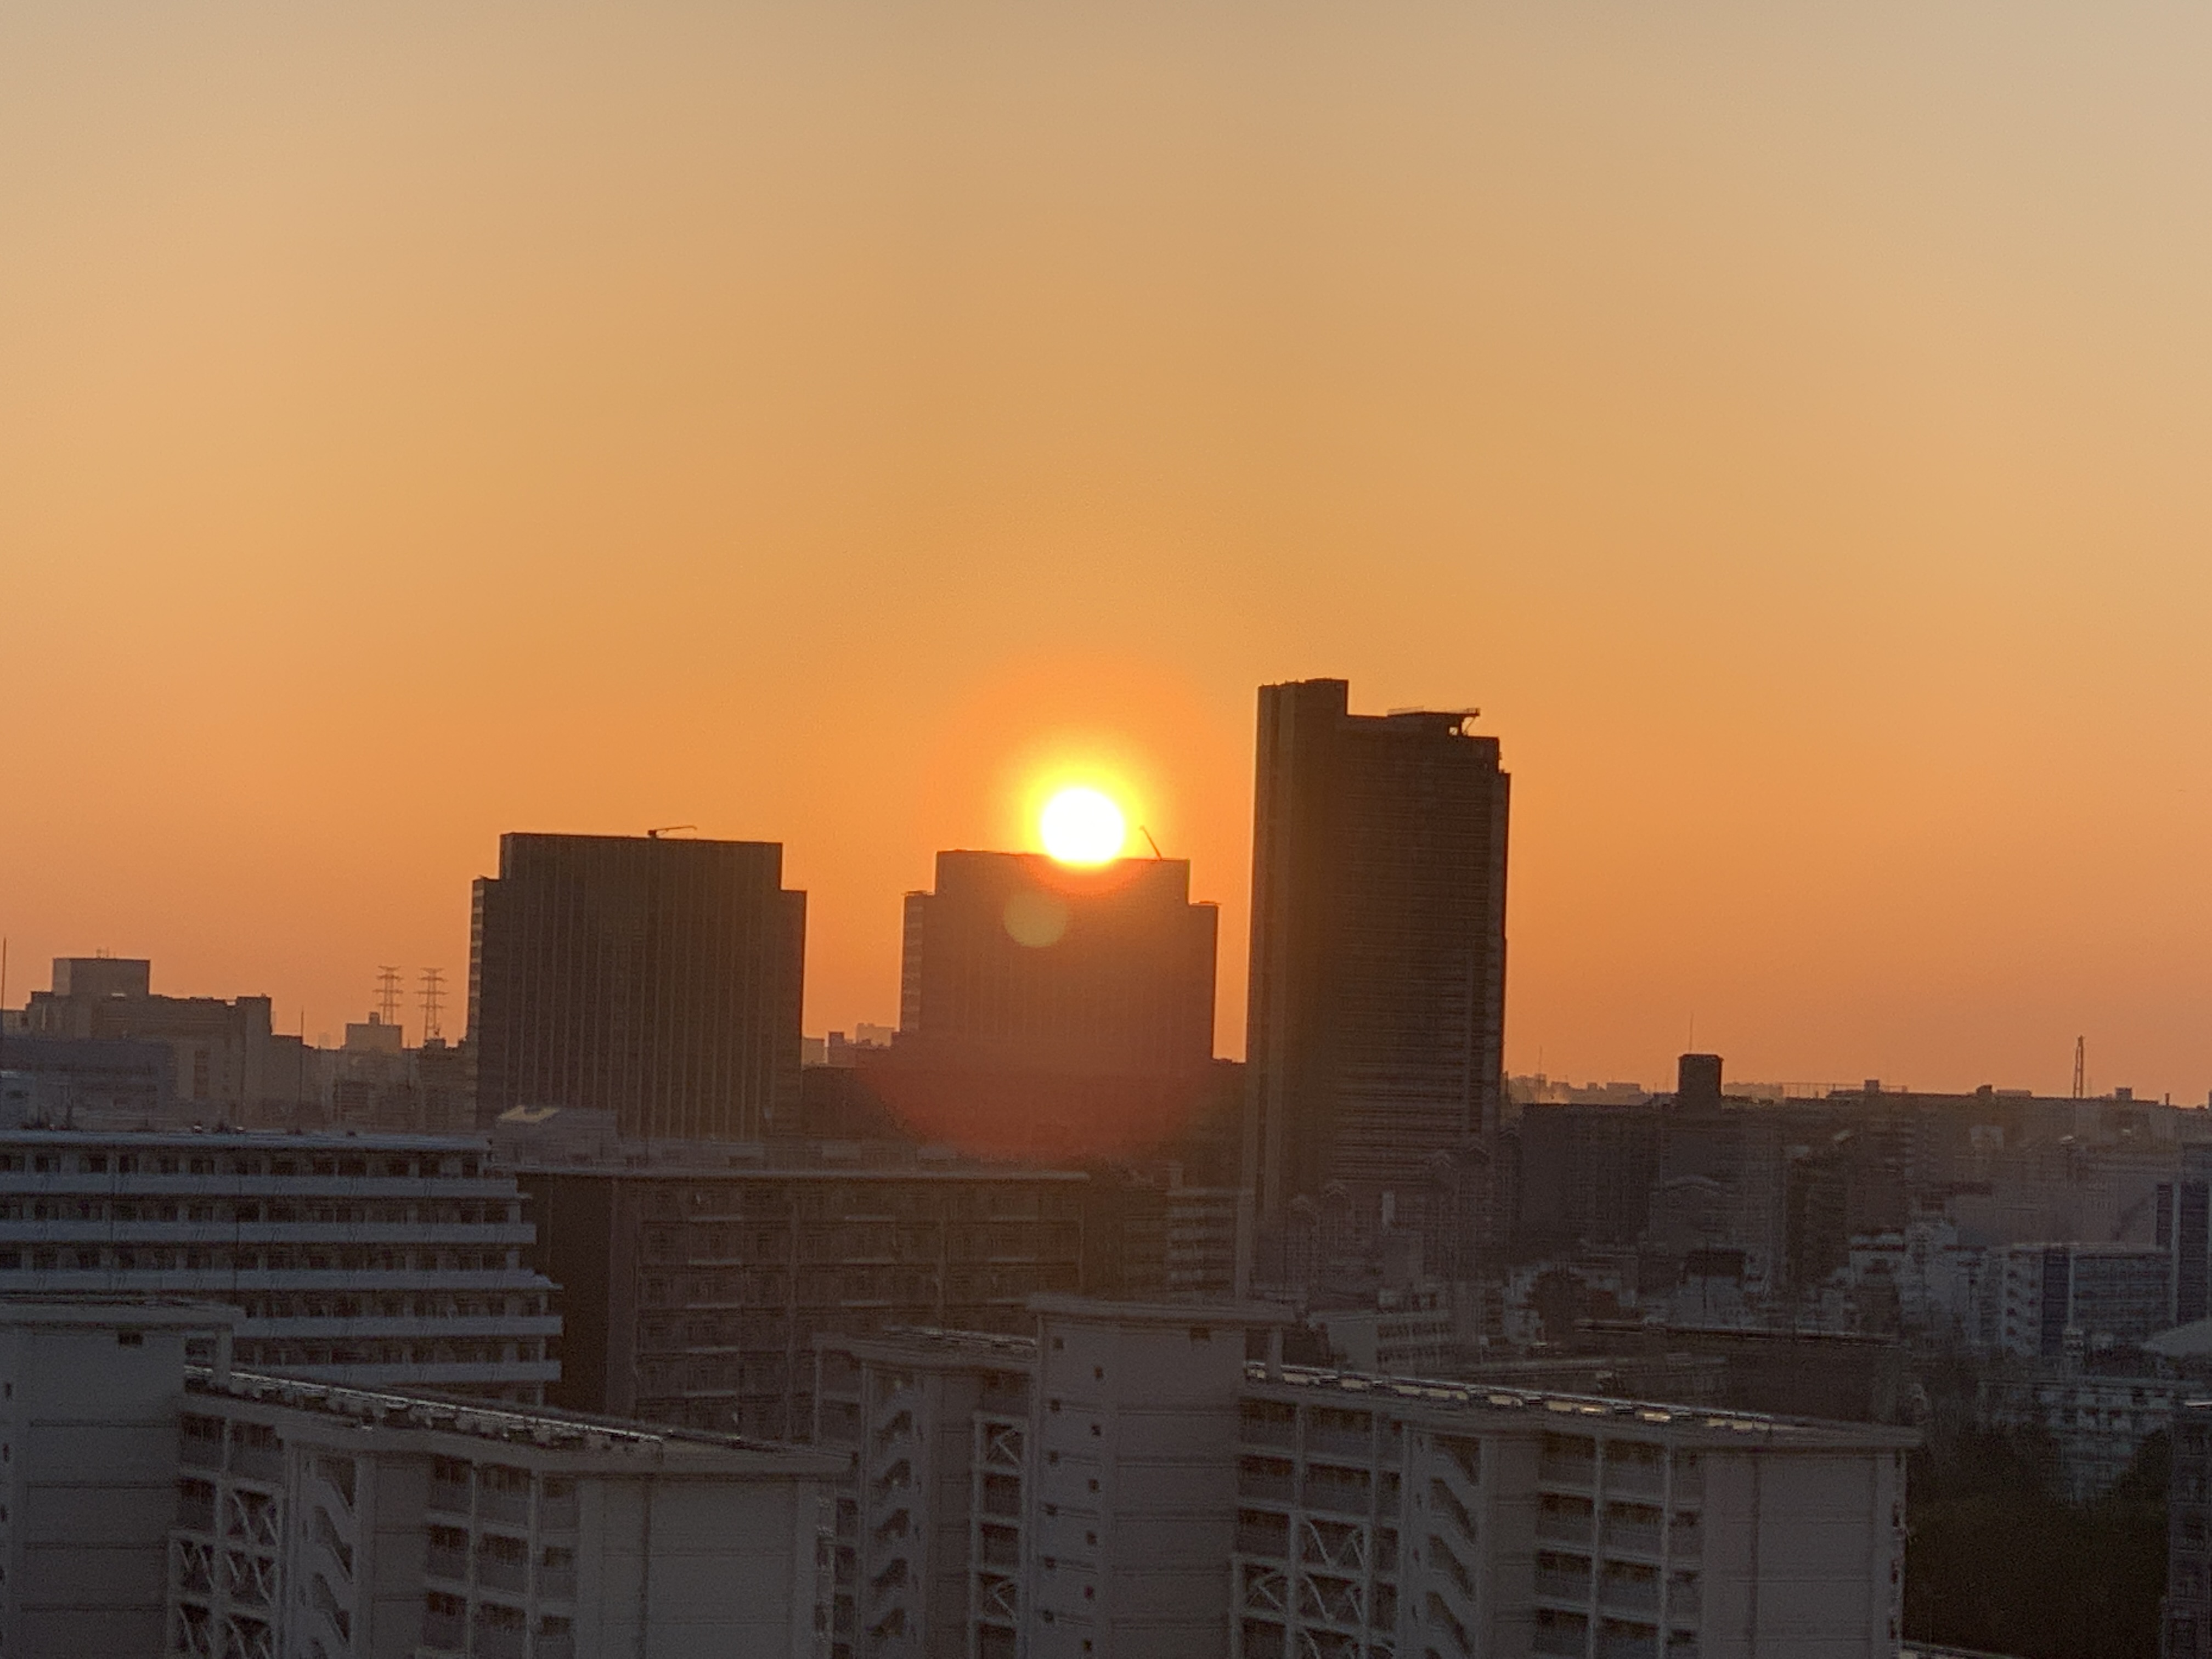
<point>384,1260</point>
<point>1091,1507</point>
<point>315,1520</point>
<point>88,1401</point>
<point>694,1295</point>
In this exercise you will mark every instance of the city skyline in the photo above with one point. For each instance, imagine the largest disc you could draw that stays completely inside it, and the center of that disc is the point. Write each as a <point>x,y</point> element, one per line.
<point>427,427</point>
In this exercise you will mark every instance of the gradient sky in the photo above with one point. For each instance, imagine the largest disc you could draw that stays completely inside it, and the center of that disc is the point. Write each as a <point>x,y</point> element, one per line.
<point>1791,424</point>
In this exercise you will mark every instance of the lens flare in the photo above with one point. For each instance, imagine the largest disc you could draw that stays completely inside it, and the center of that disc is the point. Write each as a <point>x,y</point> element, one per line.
<point>1082,826</point>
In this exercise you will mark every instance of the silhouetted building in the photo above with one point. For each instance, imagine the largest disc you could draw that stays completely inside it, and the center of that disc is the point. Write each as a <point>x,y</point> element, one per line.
<point>1050,1009</point>
<point>1376,1019</point>
<point>1722,1181</point>
<point>227,1064</point>
<point>658,980</point>
<point>693,1296</point>
<point>1586,1175</point>
<point>2183,1229</point>
<point>81,1082</point>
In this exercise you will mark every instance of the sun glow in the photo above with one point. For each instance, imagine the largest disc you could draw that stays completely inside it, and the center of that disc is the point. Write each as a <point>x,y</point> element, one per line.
<point>1081,825</point>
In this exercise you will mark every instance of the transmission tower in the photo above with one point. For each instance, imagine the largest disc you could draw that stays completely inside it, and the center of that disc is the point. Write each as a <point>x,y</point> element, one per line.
<point>433,1001</point>
<point>2080,1068</point>
<point>387,995</point>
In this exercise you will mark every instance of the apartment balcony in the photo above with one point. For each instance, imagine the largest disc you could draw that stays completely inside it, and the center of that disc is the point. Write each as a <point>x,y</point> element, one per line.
<point>1256,1538</point>
<point>1619,1594</point>
<point>1579,1472</point>
<point>449,1498</point>
<point>262,1463</point>
<point>1557,1528</point>
<point>511,1507</point>
<point>1635,1479</point>
<point>1571,1588</point>
<point>1356,1444</point>
<point>1632,1538</point>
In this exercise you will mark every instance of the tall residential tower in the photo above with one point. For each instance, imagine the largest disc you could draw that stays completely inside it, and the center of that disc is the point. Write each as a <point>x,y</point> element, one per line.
<point>1375,1029</point>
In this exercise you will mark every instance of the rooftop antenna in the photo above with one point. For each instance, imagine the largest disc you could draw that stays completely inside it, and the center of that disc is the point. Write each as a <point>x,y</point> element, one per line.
<point>2080,1068</point>
<point>434,986</point>
<point>387,995</point>
<point>1149,841</point>
<point>670,830</point>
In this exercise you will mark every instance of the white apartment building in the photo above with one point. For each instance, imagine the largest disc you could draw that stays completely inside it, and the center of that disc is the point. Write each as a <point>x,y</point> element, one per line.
<point>316,1521</point>
<point>377,1261</point>
<point>88,1470</point>
<point>1390,1516</point>
<point>149,1506</point>
<point>1071,1493</point>
<point>1007,1497</point>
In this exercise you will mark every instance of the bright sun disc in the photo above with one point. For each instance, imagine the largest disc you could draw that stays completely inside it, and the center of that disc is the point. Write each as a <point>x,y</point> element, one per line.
<point>1081,826</point>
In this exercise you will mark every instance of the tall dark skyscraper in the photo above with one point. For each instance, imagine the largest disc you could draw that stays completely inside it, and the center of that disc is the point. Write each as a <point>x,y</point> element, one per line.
<point>656,979</point>
<point>1049,1008</point>
<point>1376,1020</point>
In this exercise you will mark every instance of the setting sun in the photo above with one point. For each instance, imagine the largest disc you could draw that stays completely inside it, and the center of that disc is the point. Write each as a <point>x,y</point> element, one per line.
<point>1082,826</point>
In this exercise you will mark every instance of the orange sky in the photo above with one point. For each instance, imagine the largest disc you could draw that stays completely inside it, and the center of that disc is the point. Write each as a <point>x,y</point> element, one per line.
<point>1789,424</point>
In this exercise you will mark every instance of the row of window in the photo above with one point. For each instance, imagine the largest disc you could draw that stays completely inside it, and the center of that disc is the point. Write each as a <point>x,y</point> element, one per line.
<point>418,1166</point>
<point>451,1351</point>
<point>253,1211</point>
<point>742,1199</point>
<point>128,1258</point>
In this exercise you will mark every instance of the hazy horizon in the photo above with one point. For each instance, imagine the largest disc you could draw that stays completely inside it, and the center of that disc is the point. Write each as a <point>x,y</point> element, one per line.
<point>815,424</point>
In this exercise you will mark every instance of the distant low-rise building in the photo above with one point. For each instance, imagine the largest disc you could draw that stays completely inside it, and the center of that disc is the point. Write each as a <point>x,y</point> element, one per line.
<point>226,1063</point>
<point>2102,1294</point>
<point>2094,1422</point>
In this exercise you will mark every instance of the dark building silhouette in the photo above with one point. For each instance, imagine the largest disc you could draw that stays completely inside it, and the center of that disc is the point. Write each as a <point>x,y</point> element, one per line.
<point>2183,1228</point>
<point>1376,1019</point>
<point>658,980</point>
<point>1586,1175</point>
<point>227,1064</point>
<point>693,1296</point>
<point>1051,1009</point>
